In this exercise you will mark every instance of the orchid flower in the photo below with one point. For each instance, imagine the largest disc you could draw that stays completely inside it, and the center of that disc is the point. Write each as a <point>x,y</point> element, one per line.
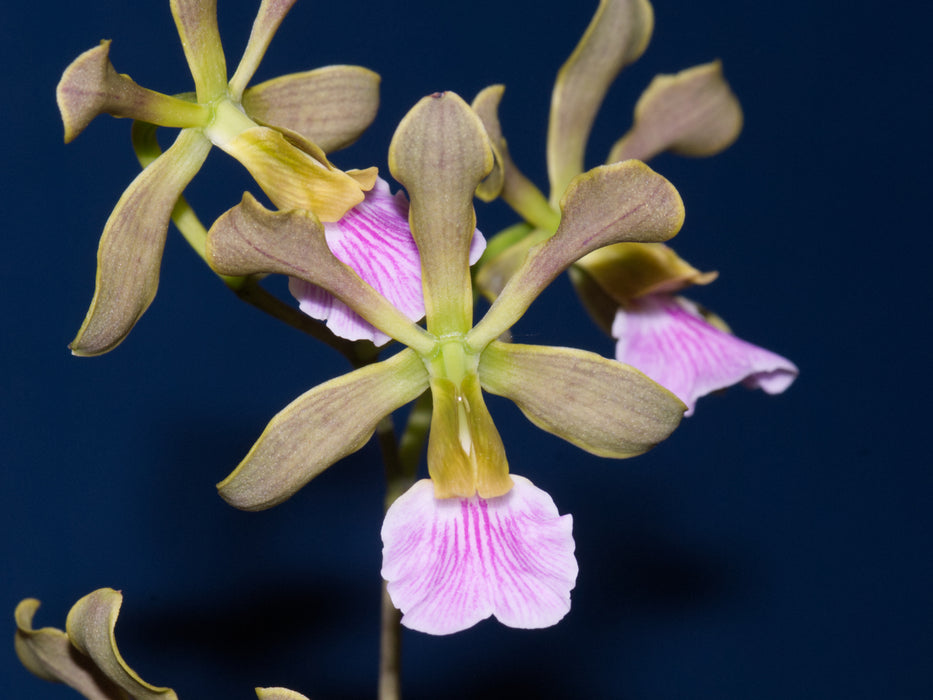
<point>312,112</point>
<point>85,656</point>
<point>471,541</point>
<point>692,113</point>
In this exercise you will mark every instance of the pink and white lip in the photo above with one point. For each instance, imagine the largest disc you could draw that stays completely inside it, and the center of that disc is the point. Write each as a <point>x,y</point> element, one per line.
<point>452,562</point>
<point>667,338</point>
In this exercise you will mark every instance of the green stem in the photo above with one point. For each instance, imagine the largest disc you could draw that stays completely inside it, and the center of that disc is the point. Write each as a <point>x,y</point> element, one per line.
<point>358,353</point>
<point>390,647</point>
<point>390,636</point>
<point>415,437</point>
<point>528,201</point>
<point>401,467</point>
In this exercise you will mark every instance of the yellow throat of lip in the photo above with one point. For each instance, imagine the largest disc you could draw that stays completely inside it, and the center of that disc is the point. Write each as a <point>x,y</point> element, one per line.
<point>465,453</point>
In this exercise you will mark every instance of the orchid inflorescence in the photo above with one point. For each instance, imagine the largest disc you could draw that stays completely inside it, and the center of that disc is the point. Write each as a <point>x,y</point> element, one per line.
<point>473,540</point>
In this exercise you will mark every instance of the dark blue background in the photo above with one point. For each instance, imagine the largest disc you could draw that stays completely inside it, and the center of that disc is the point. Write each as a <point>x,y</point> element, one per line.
<point>774,547</point>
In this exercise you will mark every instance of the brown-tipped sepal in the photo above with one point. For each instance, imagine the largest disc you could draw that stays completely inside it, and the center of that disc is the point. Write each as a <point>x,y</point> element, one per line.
<point>320,427</point>
<point>440,153</point>
<point>692,113</point>
<point>330,106</point>
<point>618,34</point>
<point>91,86</point>
<point>599,405</point>
<point>130,251</point>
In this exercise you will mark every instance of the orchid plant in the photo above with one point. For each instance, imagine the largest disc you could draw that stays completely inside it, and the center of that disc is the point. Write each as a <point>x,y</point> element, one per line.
<point>365,266</point>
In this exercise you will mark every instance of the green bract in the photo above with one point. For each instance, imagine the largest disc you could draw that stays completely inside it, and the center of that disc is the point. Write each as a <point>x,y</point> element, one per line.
<point>279,130</point>
<point>441,154</point>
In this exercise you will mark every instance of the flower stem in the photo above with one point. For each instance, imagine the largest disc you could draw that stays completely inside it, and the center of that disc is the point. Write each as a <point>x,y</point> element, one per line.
<point>390,647</point>
<point>359,353</point>
<point>390,636</point>
<point>401,467</point>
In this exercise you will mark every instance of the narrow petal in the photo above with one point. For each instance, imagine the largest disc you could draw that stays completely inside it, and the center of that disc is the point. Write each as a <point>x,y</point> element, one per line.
<point>90,626</point>
<point>452,562</point>
<point>50,655</point>
<point>196,22</point>
<point>320,427</point>
<point>609,204</point>
<point>375,241</point>
<point>270,16</point>
<point>693,113</point>
<point>130,251</point>
<point>330,106</point>
<point>487,101</point>
<point>601,406</point>
<point>618,34</point>
<point>668,339</point>
<point>440,153</point>
<point>612,276</point>
<point>250,239</point>
<point>91,86</point>
<point>516,189</point>
<point>626,271</point>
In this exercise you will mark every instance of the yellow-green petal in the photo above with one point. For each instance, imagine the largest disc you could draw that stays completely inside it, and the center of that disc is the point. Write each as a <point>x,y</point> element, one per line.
<point>617,35</point>
<point>609,204</point>
<point>693,113</point>
<point>249,239</point>
<point>320,427</point>
<point>90,625</point>
<point>50,655</point>
<point>626,271</point>
<point>599,405</point>
<point>196,22</point>
<point>268,18</point>
<point>130,250</point>
<point>440,153</point>
<point>90,86</point>
<point>291,175</point>
<point>330,106</point>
